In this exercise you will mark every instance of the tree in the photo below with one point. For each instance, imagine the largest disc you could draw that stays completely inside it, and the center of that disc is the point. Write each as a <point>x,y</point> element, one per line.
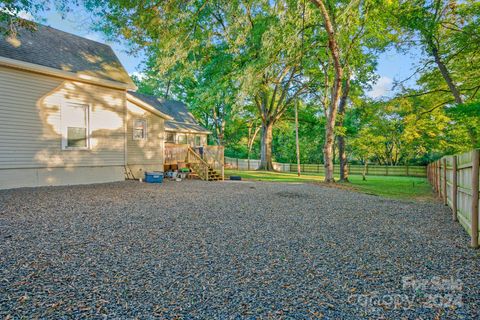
<point>251,46</point>
<point>12,11</point>
<point>356,31</point>
<point>336,89</point>
<point>365,146</point>
<point>447,32</point>
<point>272,100</point>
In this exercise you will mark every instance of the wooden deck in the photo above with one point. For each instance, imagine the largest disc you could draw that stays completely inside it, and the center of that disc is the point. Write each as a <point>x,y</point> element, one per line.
<point>183,155</point>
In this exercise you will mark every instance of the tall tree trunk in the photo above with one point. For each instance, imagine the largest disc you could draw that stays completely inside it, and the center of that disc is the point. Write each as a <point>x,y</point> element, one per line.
<point>445,73</point>
<point>251,137</point>
<point>272,104</point>
<point>167,90</point>
<point>342,154</point>
<point>221,137</point>
<point>328,152</point>
<point>364,172</point>
<point>251,141</point>
<point>219,124</point>
<point>335,94</point>
<point>266,147</point>
<point>451,86</point>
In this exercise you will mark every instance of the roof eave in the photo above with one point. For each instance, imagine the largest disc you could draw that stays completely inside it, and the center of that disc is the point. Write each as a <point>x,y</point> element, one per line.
<point>147,107</point>
<point>187,131</point>
<point>36,68</point>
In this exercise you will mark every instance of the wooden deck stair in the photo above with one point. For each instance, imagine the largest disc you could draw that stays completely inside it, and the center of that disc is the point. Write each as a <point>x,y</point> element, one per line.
<point>200,167</point>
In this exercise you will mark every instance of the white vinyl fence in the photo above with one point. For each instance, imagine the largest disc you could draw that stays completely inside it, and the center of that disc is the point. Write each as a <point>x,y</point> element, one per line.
<point>252,164</point>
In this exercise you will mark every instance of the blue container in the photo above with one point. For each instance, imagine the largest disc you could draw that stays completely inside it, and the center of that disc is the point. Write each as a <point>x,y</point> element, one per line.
<point>154,177</point>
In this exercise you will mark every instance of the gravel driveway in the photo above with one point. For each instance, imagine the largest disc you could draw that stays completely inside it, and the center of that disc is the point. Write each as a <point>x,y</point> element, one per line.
<point>230,250</point>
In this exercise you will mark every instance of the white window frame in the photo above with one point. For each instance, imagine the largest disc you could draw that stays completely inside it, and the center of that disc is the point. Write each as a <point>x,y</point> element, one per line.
<point>174,137</point>
<point>145,130</point>
<point>199,137</point>
<point>64,126</point>
<point>178,135</point>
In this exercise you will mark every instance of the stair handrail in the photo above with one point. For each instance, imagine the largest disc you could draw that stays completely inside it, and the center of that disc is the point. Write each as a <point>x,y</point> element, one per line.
<point>196,155</point>
<point>202,164</point>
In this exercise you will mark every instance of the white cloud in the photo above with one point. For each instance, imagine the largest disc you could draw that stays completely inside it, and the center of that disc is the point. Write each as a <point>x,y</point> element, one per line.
<point>26,15</point>
<point>139,75</point>
<point>382,87</point>
<point>21,14</point>
<point>93,36</point>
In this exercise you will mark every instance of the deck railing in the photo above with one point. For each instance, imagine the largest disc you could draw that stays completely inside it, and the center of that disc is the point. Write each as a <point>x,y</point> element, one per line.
<point>178,154</point>
<point>175,153</point>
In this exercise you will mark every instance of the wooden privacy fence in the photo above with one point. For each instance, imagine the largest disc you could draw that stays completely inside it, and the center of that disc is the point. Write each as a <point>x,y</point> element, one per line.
<point>456,180</point>
<point>372,170</point>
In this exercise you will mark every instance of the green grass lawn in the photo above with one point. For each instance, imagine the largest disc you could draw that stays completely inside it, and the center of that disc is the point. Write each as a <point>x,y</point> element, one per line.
<point>386,186</point>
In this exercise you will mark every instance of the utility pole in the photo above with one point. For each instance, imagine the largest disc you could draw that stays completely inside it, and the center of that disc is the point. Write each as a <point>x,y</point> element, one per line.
<point>296,139</point>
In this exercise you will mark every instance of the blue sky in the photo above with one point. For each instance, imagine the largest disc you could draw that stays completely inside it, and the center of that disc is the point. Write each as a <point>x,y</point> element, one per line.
<point>392,65</point>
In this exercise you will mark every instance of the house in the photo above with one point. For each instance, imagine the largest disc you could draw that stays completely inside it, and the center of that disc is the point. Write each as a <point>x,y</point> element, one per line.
<point>182,128</point>
<point>67,116</point>
<point>185,140</point>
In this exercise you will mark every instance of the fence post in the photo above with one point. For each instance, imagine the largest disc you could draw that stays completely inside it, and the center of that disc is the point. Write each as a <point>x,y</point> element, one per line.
<point>429,176</point>
<point>445,195</point>
<point>475,191</point>
<point>407,171</point>
<point>438,178</point>
<point>386,170</point>
<point>434,178</point>
<point>439,171</point>
<point>434,182</point>
<point>237,165</point>
<point>454,188</point>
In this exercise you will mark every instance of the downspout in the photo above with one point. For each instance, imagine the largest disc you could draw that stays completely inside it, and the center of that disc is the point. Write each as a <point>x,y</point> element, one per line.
<point>125,128</point>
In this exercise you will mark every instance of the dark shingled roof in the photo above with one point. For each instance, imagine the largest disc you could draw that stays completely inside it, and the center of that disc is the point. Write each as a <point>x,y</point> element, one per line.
<point>56,49</point>
<point>183,120</point>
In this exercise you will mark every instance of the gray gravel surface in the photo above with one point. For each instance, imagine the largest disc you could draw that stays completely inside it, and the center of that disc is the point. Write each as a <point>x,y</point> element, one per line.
<point>230,250</point>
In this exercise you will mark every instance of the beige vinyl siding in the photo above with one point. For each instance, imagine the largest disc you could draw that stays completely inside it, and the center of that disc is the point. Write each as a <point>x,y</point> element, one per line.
<point>17,178</point>
<point>151,150</point>
<point>30,122</point>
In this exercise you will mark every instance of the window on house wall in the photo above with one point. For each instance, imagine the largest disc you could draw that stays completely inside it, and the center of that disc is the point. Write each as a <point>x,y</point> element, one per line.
<point>75,126</point>
<point>182,138</point>
<point>191,140</point>
<point>170,137</point>
<point>198,141</point>
<point>139,129</point>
